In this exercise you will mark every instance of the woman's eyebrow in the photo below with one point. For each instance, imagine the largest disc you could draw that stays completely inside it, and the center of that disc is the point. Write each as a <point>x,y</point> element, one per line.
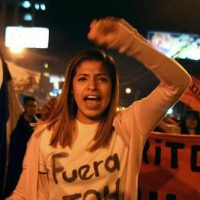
<point>96,74</point>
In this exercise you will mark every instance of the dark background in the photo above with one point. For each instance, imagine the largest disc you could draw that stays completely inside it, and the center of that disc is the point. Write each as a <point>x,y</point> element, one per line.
<point>68,21</point>
<point>70,24</point>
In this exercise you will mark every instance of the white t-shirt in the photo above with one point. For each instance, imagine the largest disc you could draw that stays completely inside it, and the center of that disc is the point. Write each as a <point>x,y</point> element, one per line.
<point>79,174</point>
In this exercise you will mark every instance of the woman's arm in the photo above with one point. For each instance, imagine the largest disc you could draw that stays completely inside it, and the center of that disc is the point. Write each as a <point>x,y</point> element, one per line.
<point>118,34</point>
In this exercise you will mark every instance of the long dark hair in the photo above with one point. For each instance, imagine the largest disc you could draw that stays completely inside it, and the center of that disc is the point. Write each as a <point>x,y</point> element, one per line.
<point>195,115</point>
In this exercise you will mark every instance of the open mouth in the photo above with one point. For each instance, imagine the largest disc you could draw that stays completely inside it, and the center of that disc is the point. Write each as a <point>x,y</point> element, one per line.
<point>92,98</point>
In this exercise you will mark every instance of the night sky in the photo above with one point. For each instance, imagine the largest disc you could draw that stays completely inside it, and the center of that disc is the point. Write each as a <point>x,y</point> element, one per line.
<point>68,21</point>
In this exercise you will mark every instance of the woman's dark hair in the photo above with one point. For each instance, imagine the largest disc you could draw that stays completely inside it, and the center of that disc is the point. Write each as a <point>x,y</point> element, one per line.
<point>190,114</point>
<point>28,98</point>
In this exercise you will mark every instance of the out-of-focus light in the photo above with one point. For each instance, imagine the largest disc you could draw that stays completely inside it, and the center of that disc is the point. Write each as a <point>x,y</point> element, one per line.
<point>120,108</point>
<point>16,49</point>
<point>56,80</point>
<point>170,111</point>
<point>46,74</point>
<point>62,79</point>
<point>56,85</point>
<point>37,6</point>
<point>42,6</point>
<point>52,94</point>
<point>46,65</point>
<point>128,90</point>
<point>28,17</point>
<point>53,79</point>
<point>26,4</point>
<point>28,37</point>
<point>55,92</point>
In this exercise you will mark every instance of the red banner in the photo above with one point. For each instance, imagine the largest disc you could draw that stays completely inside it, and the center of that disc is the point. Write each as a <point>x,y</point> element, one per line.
<point>192,95</point>
<point>170,168</point>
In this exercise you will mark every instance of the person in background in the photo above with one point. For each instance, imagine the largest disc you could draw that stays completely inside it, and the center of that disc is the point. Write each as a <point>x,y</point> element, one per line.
<point>190,123</point>
<point>85,149</point>
<point>48,108</point>
<point>18,142</point>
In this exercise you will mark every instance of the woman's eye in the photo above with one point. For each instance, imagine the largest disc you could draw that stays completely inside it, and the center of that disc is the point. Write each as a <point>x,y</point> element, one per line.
<point>103,79</point>
<point>82,79</point>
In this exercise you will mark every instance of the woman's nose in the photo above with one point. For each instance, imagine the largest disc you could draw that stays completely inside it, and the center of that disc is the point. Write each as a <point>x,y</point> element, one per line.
<point>92,85</point>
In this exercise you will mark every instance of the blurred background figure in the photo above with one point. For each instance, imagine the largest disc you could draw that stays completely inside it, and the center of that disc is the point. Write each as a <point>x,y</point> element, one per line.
<point>18,141</point>
<point>190,123</point>
<point>10,110</point>
<point>47,108</point>
<point>168,125</point>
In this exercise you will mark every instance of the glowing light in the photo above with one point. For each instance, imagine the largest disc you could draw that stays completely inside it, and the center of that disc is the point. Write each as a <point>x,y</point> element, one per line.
<point>16,49</point>
<point>120,108</point>
<point>37,6</point>
<point>42,6</point>
<point>26,4</point>
<point>28,37</point>
<point>28,17</point>
<point>52,94</point>
<point>53,79</point>
<point>128,90</point>
<point>170,111</point>
<point>46,74</point>
<point>56,85</point>
<point>46,65</point>
<point>56,80</point>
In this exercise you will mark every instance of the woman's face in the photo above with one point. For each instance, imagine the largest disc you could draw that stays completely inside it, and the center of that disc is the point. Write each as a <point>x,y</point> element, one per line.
<point>191,123</point>
<point>92,87</point>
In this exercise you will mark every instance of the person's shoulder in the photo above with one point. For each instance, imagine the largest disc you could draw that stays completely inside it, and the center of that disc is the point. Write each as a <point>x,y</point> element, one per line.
<point>19,126</point>
<point>21,118</point>
<point>41,130</point>
<point>22,122</point>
